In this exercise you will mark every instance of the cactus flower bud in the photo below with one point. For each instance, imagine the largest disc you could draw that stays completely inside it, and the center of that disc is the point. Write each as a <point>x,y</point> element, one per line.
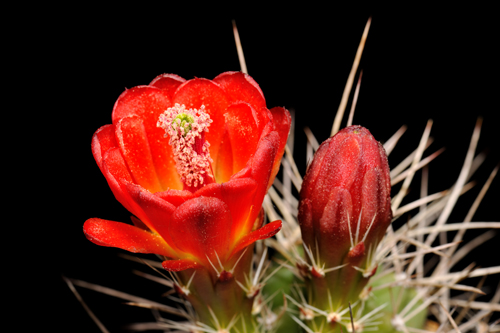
<point>344,212</point>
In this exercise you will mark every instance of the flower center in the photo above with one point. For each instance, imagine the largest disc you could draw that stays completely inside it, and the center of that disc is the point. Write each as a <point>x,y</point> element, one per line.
<point>186,129</point>
<point>183,122</point>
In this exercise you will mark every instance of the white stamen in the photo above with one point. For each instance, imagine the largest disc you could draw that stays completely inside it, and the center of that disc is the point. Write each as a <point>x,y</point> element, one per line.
<point>184,127</point>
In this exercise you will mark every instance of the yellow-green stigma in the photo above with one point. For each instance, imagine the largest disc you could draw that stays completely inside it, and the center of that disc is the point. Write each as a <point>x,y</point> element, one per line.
<point>183,122</point>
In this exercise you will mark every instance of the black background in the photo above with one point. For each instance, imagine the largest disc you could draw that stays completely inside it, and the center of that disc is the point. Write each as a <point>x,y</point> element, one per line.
<point>418,64</point>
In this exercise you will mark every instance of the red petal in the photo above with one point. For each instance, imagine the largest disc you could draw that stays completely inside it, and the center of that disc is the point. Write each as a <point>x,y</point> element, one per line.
<point>375,196</point>
<point>264,116</point>
<point>282,122</point>
<point>116,173</point>
<point>179,265</point>
<point>102,141</point>
<point>115,164</point>
<point>175,197</point>
<point>261,165</point>
<point>306,223</point>
<point>314,169</point>
<point>344,157</point>
<point>147,103</point>
<point>339,153</point>
<point>132,139</point>
<point>157,212</point>
<point>201,227</point>
<point>125,236</point>
<point>238,195</point>
<point>197,92</point>
<point>224,164</point>
<point>333,228</point>
<point>246,172</point>
<point>243,133</point>
<point>266,231</point>
<point>241,87</point>
<point>168,82</point>
<point>210,190</point>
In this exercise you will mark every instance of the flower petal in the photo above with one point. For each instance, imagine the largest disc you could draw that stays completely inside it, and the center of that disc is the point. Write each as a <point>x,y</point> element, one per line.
<point>132,139</point>
<point>307,226</point>
<point>112,165</point>
<point>175,197</point>
<point>201,227</point>
<point>168,83</point>
<point>340,154</point>
<point>266,231</point>
<point>147,103</point>
<point>179,265</point>
<point>116,173</point>
<point>282,122</point>
<point>375,195</point>
<point>261,165</point>
<point>243,133</point>
<point>238,195</point>
<point>241,87</point>
<point>157,212</point>
<point>333,227</point>
<point>102,141</point>
<point>313,170</point>
<point>197,92</point>
<point>124,236</point>
<point>264,119</point>
<point>223,166</point>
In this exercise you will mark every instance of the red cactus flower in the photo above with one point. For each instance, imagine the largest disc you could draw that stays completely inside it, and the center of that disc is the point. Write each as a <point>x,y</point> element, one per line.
<point>345,205</point>
<point>192,161</point>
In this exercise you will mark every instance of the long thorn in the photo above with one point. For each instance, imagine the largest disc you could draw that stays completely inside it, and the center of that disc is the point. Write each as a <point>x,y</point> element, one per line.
<point>350,80</point>
<point>352,320</point>
<point>87,309</point>
<point>354,100</point>
<point>239,49</point>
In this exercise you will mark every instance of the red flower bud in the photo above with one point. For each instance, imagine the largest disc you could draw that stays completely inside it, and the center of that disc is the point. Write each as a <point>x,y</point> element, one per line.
<point>345,205</point>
